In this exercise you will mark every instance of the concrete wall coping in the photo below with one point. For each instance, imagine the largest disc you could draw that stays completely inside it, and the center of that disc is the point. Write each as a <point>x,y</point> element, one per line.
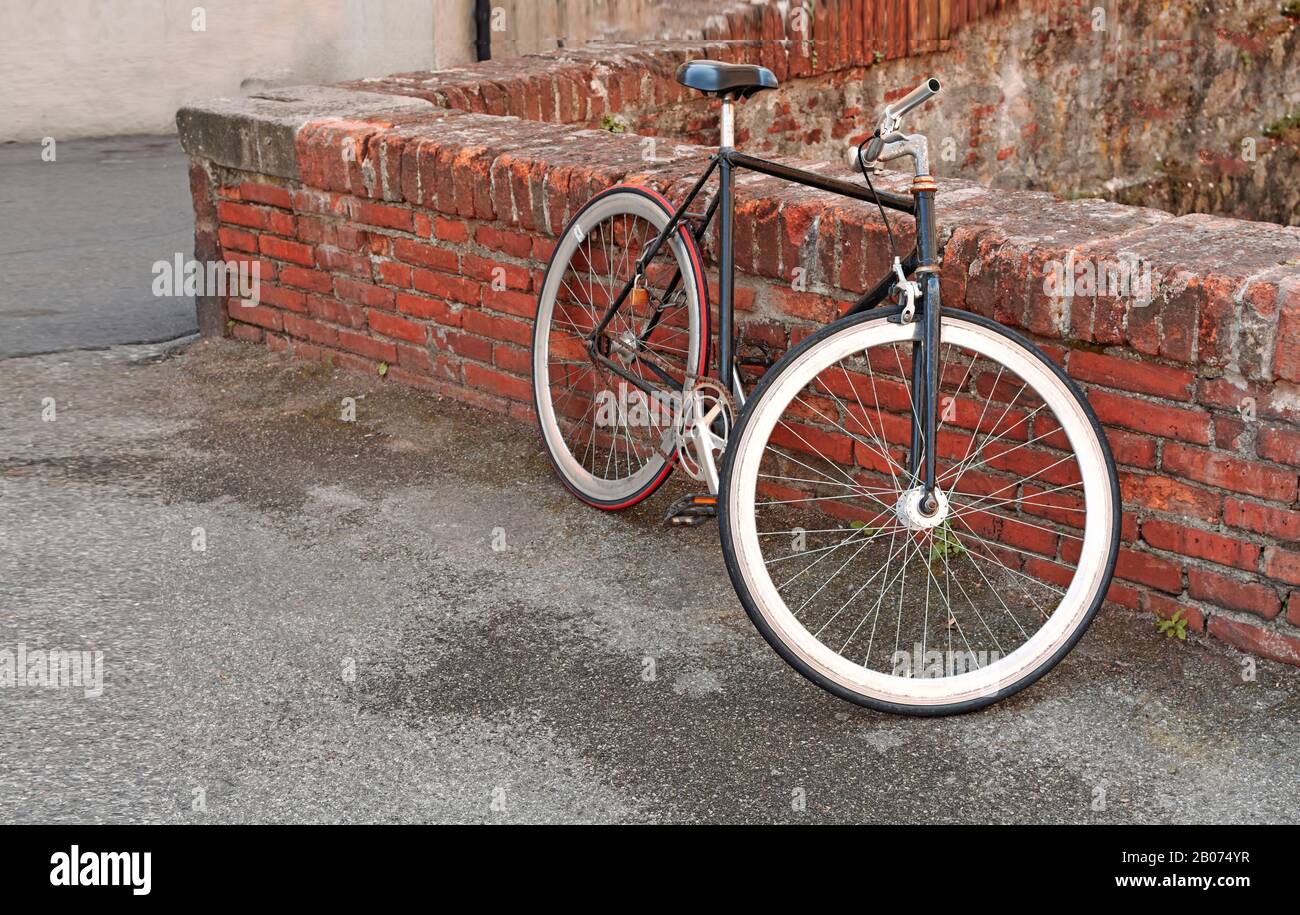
<point>257,133</point>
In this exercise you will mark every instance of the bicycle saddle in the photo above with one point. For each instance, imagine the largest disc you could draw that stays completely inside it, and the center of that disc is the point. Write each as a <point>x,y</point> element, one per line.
<point>713,77</point>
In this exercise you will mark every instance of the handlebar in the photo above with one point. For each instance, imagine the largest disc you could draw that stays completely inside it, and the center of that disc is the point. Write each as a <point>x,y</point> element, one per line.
<point>917,96</point>
<point>893,114</point>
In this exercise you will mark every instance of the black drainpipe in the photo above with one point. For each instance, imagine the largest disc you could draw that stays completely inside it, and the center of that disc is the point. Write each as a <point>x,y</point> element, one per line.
<point>483,29</point>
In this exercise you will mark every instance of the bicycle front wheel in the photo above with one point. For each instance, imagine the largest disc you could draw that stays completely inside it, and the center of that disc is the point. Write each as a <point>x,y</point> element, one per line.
<point>838,564</point>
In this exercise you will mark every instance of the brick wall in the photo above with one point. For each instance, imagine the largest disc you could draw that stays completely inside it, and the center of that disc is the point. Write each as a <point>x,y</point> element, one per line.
<point>1179,104</point>
<point>414,236</point>
<point>828,47</point>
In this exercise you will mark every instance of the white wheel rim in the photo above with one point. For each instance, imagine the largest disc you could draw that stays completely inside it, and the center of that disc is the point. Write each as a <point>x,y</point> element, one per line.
<point>592,485</point>
<point>1014,667</point>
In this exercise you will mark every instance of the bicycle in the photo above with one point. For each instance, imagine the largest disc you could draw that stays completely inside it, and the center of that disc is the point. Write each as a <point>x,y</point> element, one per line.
<point>904,436</point>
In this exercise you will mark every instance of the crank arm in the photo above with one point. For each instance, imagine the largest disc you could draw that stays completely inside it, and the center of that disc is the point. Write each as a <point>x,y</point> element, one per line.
<point>704,442</point>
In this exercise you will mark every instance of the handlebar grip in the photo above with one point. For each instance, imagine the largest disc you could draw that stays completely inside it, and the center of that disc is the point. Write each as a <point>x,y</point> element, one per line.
<point>917,96</point>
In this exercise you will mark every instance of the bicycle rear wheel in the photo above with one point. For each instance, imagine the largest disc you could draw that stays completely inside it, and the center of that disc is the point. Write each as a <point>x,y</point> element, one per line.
<point>611,443</point>
<point>836,561</point>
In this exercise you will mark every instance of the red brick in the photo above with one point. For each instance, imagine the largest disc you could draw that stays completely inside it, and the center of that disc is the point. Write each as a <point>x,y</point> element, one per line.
<point>267,194</point>
<point>814,441</point>
<point>391,325</point>
<point>350,238</point>
<point>1282,523</point>
<point>256,217</point>
<point>1257,639</point>
<point>438,310</point>
<point>270,318</point>
<point>1286,353</point>
<point>1165,608</point>
<point>1277,444</point>
<point>1229,433</point>
<point>313,229</point>
<point>455,288</point>
<point>1293,608</point>
<point>1173,496</point>
<point>1233,593</point>
<point>1226,472</point>
<point>394,274</point>
<point>512,243</point>
<point>796,230</point>
<point>237,240</point>
<point>381,214</point>
<point>742,297</point>
<point>1132,449</point>
<point>1190,541</point>
<point>414,358</point>
<point>1267,401</point>
<point>307,329</point>
<point>241,214</point>
<point>335,311</point>
<point>466,346</point>
<point>337,261</point>
<point>319,203</point>
<point>1124,595</point>
<point>289,299</point>
<point>494,273</point>
<point>313,280</point>
<point>246,333</point>
<point>363,293</point>
<point>1187,424</point>
<point>284,250</point>
<point>504,329</point>
<point>1284,565</point>
<point>522,304</point>
<point>513,359</point>
<point>424,254</point>
<point>1217,326</point>
<point>543,248</point>
<point>1132,375</point>
<point>498,383</point>
<point>445,229</point>
<point>805,305</point>
<point>265,270</point>
<point>1148,569</point>
<point>368,346</point>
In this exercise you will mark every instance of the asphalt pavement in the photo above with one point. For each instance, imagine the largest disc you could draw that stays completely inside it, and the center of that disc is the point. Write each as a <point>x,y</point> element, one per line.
<point>79,236</point>
<point>406,618</point>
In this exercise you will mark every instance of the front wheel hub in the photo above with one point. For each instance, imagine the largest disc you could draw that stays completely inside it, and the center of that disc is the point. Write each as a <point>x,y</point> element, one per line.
<point>911,512</point>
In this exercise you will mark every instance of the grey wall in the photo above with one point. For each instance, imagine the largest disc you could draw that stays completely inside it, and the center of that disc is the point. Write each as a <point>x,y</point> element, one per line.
<point>101,67</point>
<point>75,68</point>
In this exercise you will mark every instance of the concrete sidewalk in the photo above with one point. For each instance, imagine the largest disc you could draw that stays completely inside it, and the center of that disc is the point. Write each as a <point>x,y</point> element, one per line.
<point>350,646</point>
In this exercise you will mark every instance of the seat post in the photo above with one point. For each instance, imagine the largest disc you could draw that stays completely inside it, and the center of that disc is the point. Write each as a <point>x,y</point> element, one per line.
<point>726,256</point>
<point>728,125</point>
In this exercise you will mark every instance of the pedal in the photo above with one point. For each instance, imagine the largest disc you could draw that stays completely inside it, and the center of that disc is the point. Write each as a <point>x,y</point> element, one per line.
<point>692,510</point>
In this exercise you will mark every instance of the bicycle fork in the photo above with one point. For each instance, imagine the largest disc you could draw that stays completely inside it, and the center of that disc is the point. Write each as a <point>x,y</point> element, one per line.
<point>922,455</point>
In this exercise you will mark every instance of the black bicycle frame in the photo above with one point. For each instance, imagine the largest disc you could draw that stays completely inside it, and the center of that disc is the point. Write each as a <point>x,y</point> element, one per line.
<point>921,261</point>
